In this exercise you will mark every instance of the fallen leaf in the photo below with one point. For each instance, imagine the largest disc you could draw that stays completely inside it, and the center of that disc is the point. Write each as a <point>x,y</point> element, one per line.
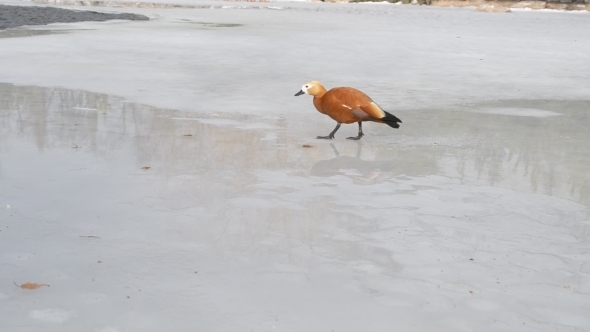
<point>146,167</point>
<point>470,259</point>
<point>187,135</point>
<point>307,146</point>
<point>31,285</point>
<point>471,291</point>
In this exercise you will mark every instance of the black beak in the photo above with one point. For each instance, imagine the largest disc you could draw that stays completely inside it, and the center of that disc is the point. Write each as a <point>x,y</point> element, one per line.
<point>299,93</point>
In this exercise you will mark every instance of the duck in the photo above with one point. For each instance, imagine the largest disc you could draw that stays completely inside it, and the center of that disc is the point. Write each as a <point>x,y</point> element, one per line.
<point>347,105</point>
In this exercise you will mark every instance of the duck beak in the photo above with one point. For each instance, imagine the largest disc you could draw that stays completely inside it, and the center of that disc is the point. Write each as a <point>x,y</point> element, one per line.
<point>299,93</point>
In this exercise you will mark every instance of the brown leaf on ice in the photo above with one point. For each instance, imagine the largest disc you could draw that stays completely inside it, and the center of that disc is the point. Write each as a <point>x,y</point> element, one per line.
<point>146,167</point>
<point>307,146</point>
<point>187,135</point>
<point>31,285</point>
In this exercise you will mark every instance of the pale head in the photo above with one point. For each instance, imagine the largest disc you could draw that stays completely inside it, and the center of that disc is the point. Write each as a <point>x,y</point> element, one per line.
<point>313,88</point>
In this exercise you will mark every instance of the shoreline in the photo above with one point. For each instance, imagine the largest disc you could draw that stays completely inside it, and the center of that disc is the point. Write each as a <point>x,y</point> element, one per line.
<point>481,5</point>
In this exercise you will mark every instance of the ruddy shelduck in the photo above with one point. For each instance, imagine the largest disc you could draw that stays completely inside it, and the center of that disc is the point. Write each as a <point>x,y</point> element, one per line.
<point>347,105</point>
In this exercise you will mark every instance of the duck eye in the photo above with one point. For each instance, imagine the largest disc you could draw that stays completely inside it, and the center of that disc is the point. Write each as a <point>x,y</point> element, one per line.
<point>307,86</point>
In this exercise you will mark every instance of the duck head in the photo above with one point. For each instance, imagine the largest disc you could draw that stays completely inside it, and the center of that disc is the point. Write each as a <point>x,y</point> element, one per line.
<point>313,88</point>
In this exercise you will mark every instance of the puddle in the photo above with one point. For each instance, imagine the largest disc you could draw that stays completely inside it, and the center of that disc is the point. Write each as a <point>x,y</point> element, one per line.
<point>537,154</point>
<point>222,25</point>
<point>208,24</point>
<point>537,113</point>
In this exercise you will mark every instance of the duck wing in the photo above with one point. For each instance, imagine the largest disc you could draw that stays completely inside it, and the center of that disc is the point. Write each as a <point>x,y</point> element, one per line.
<point>356,101</point>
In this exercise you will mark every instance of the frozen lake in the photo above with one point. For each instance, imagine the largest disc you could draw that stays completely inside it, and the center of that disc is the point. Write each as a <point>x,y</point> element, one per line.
<point>154,173</point>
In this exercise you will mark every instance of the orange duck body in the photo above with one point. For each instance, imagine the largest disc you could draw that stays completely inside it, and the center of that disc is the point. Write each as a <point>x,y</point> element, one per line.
<point>347,105</point>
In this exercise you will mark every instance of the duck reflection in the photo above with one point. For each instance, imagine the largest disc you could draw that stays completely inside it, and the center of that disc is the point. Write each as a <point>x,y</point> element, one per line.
<point>389,163</point>
<point>345,165</point>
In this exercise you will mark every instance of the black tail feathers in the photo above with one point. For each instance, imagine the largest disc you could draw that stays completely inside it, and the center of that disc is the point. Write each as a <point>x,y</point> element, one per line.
<point>391,120</point>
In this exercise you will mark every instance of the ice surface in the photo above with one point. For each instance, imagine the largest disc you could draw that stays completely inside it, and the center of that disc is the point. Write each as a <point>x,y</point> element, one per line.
<point>519,112</point>
<point>473,216</point>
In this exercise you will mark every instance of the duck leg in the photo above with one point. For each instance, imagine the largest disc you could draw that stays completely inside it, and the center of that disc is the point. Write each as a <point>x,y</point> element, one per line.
<point>331,136</point>
<point>360,133</point>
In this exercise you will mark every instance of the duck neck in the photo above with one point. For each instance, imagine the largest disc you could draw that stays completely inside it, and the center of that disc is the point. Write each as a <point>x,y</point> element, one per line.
<point>320,93</point>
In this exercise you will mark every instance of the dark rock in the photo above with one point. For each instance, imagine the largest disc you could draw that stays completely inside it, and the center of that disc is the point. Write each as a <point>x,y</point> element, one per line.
<point>15,16</point>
